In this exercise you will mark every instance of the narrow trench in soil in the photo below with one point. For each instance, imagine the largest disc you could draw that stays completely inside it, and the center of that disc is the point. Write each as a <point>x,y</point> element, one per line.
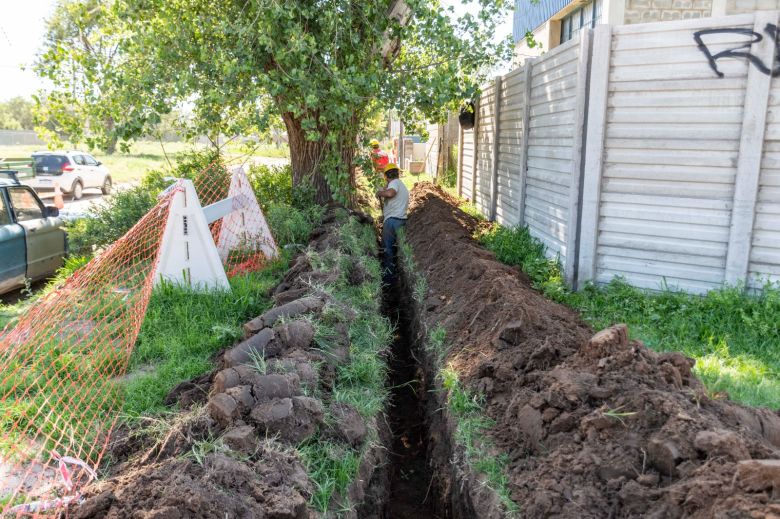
<point>411,492</point>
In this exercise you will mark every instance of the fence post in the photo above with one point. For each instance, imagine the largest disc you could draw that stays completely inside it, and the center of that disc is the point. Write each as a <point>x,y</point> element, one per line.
<point>460,160</point>
<point>529,64</point>
<point>575,189</point>
<point>594,152</point>
<point>751,143</point>
<point>474,158</point>
<point>494,163</point>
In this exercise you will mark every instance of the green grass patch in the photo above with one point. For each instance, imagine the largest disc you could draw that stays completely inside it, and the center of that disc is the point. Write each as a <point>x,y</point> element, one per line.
<point>184,328</point>
<point>361,381</point>
<point>468,409</point>
<point>733,335</point>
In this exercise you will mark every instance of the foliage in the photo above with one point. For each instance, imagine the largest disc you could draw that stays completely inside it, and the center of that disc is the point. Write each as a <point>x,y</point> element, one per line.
<point>273,184</point>
<point>108,222</point>
<point>732,334</point>
<point>16,114</point>
<point>322,67</point>
<point>82,59</point>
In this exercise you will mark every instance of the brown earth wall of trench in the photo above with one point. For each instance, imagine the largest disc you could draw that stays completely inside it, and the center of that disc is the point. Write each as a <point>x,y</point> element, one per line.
<point>594,425</point>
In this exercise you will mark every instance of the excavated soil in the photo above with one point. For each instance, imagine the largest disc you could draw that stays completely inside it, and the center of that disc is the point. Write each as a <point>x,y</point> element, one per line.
<point>230,451</point>
<point>594,425</point>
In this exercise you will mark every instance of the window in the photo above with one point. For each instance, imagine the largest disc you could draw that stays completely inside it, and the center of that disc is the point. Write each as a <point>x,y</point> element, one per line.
<point>89,160</point>
<point>49,163</point>
<point>79,160</point>
<point>25,205</point>
<point>589,15</point>
<point>5,218</point>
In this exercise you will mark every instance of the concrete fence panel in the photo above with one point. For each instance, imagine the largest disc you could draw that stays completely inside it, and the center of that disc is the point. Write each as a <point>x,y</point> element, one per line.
<point>645,151</point>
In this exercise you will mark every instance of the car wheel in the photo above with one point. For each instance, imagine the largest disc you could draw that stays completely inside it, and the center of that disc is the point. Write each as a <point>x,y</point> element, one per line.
<point>78,190</point>
<point>107,185</point>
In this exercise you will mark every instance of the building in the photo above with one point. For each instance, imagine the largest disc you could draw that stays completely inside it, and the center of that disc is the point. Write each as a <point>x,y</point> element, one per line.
<point>553,22</point>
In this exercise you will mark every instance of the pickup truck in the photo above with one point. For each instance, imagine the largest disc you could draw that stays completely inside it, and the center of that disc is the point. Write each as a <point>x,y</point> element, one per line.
<point>32,243</point>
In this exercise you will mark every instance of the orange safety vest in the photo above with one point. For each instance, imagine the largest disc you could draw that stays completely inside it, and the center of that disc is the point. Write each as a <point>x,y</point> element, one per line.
<point>380,159</point>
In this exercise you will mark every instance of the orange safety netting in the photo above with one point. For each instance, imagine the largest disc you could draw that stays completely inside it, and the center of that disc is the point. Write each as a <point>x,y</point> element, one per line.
<point>62,363</point>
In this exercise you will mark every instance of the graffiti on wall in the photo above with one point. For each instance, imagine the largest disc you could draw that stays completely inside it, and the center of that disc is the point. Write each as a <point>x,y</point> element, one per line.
<point>741,51</point>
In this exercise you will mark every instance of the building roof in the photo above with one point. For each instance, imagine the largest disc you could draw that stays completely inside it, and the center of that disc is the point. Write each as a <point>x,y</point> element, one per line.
<point>530,15</point>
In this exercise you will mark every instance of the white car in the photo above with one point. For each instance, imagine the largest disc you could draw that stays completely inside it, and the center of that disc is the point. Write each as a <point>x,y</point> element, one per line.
<point>75,171</point>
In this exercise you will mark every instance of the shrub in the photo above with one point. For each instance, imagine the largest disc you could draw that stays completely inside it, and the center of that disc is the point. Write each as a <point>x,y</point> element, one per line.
<point>273,184</point>
<point>290,225</point>
<point>109,222</point>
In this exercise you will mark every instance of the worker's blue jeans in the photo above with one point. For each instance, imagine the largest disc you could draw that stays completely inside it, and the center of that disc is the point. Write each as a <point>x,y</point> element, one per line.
<point>389,239</point>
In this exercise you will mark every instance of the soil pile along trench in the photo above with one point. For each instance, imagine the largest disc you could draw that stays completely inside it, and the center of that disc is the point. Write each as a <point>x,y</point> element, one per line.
<point>590,424</point>
<point>411,495</point>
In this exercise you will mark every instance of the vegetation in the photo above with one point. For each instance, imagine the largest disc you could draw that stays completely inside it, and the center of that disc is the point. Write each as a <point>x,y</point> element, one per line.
<point>361,381</point>
<point>16,114</point>
<point>323,68</point>
<point>182,329</point>
<point>468,410</point>
<point>732,334</point>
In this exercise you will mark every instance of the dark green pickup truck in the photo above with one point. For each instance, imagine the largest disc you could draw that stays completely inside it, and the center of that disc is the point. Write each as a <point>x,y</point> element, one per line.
<point>32,242</point>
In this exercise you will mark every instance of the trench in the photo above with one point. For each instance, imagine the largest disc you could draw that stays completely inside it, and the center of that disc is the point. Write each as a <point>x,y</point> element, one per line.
<point>412,493</point>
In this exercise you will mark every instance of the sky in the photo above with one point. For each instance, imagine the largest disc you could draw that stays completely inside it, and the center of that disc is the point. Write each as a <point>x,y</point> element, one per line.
<point>21,33</point>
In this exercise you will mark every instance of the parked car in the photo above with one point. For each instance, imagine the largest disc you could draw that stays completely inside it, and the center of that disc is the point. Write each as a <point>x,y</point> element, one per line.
<point>75,171</point>
<point>32,243</point>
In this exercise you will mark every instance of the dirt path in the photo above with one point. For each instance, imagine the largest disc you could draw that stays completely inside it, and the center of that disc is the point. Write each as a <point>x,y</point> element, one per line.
<point>411,496</point>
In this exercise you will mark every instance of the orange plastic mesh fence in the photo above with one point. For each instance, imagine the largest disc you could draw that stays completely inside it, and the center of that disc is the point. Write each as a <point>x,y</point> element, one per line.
<point>62,362</point>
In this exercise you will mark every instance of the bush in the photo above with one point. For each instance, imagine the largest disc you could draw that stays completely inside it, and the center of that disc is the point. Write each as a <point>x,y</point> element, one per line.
<point>109,222</point>
<point>291,225</point>
<point>273,184</point>
<point>190,165</point>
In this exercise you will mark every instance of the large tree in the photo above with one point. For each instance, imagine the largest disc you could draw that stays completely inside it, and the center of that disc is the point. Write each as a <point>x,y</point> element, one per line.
<point>321,65</point>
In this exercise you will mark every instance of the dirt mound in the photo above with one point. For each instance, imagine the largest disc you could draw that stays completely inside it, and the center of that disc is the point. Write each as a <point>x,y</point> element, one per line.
<point>594,425</point>
<point>231,453</point>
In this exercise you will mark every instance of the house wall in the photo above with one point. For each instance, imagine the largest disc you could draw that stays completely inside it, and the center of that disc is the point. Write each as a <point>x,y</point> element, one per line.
<point>644,11</point>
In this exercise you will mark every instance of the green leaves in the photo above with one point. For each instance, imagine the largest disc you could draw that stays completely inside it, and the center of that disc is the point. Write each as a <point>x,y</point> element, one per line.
<point>238,64</point>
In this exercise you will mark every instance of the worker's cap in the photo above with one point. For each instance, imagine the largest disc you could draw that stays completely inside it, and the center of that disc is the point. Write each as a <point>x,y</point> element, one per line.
<point>389,167</point>
<point>374,143</point>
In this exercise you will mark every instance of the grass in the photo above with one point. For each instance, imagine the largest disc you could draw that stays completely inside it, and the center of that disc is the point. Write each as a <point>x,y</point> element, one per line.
<point>148,155</point>
<point>183,329</point>
<point>468,409</point>
<point>361,381</point>
<point>733,335</point>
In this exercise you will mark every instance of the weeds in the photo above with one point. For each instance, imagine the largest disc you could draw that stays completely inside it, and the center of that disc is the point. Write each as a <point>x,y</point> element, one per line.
<point>359,382</point>
<point>468,410</point>
<point>618,415</point>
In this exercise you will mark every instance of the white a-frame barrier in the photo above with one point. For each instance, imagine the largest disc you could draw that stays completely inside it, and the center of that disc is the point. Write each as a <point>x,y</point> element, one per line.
<point>188,254</point>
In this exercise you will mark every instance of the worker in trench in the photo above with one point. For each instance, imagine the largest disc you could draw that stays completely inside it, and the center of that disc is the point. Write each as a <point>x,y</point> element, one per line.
<point>395,202</point>
<point>378,157</point>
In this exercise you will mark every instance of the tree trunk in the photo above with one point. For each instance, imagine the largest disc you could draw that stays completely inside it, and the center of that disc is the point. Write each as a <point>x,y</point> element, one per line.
<point>306,158</point>
<point>112,140</point>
